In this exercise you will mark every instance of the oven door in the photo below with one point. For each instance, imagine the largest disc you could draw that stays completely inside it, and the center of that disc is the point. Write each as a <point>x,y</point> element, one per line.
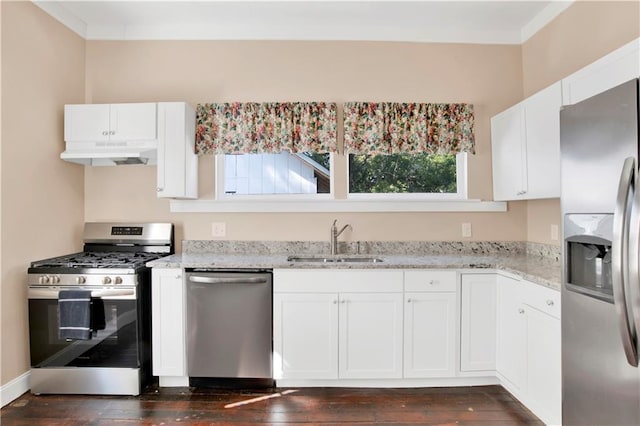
<point>116,345</point>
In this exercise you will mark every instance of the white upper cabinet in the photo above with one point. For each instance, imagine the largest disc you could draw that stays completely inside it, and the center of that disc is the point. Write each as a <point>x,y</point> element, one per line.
<point>525,143</point>
<point>509,154</point>
<point>616,68</point>
<point>110,122</point>
<point>177,161</point>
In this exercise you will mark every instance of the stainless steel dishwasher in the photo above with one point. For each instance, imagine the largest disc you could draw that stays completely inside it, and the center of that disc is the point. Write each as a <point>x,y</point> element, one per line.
<point>229,328</point>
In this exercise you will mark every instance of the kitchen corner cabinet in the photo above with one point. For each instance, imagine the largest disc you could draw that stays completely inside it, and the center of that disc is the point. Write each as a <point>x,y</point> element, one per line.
<point>511,341</point>
<point>478,323</point>
<point>525,143</point>
<point>168,328</point>
<point>110,122</point>
<point>337,324</point>
<point>430,324</point>
<point>529,346</point>
<point>177,162</point>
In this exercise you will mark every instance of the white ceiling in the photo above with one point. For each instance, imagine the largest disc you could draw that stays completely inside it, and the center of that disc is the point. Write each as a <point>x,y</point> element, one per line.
<point>472,21</point>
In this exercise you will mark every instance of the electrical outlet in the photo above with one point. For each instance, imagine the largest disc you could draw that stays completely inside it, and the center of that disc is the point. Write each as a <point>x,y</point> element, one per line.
<point>554,232</point>
<point>218,229</point>
<point>466,230</point>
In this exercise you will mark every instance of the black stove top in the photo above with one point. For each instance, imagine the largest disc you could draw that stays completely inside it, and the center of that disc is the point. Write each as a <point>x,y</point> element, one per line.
<point>98,260</point>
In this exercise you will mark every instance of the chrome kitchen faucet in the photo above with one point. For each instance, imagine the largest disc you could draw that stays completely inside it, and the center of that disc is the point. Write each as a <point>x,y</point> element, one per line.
<point>335,234</point>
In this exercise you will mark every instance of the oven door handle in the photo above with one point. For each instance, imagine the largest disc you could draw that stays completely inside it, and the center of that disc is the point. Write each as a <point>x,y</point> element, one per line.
<point>117,294</point>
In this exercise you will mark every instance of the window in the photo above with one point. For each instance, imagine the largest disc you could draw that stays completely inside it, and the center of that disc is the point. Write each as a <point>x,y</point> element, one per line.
<point>430,175</point>
<point>268,174</point>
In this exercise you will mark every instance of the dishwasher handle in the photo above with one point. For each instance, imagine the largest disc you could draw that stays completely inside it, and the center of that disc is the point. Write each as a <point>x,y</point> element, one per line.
<point>227,280</point>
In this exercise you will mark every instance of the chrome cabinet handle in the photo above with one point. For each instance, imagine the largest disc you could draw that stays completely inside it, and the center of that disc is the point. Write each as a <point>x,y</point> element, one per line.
<point>105,133</point>
<point>521,311</point>
<point>550,302</point>
<point>112,132</point>
<point>335,302</point>
<point>620,259</point>
<point>408,300</point>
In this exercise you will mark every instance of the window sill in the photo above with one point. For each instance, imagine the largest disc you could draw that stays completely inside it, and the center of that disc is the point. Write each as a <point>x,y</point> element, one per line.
<point>333,206</point>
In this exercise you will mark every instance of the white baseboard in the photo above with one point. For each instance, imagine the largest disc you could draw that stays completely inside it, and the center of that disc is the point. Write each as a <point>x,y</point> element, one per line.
<point>12,390</point>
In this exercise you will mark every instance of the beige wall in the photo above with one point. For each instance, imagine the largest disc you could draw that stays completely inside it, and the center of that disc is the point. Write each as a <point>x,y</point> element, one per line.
<point>213,71</point>
<point>583,33</point>
<point>42,197</point>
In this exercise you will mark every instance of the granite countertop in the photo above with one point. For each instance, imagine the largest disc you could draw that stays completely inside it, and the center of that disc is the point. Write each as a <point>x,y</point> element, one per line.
<point>533,268</point>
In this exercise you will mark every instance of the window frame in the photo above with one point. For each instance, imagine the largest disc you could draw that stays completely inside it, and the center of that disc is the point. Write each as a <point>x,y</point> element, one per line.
<point>460,194</point>
<point>221,195</point>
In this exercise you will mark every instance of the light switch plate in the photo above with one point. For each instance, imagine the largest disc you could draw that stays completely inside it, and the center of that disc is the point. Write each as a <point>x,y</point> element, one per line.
<point>554,232</point>
<point>466,230</point>
<point>218,229</point>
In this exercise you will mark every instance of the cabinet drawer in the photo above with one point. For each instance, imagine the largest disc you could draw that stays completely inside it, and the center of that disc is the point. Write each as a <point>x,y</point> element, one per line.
<point>430,281</point>
<point>542,298</point>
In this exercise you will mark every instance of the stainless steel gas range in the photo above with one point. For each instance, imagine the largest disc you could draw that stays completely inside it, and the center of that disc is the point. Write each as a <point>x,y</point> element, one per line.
<point>98,341</point>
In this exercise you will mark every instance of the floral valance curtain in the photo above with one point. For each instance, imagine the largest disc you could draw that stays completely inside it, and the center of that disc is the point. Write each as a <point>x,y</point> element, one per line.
<point>237,128</point>
<point>390,128</point>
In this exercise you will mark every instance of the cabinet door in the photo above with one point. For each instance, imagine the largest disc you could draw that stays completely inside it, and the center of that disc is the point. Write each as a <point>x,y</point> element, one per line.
<point>616,68</point>
<point>167,330</point>
<point>511,349</point>
<point>508,154</point>
<point>370,335</point>
<point>542,123</point>
<point>177,162</point>
<point>544,396</point>
<point>430,334</point>
<point>133,122</point>
<point>86,123</point>
<point>478,323</point>
<point>305,336</point>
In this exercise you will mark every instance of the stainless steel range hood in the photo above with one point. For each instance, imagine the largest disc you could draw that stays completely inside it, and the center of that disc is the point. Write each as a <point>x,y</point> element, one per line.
<point>111,157</point>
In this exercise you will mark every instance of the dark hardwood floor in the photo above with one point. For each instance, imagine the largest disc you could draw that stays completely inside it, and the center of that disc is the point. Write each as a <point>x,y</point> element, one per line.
<point>482,405</point>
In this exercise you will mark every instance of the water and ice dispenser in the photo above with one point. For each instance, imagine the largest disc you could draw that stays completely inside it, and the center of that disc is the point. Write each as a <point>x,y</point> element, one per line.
<point>588,240</point>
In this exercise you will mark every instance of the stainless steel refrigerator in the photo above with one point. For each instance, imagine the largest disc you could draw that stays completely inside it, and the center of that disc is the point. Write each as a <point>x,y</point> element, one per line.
<point>601,281</point>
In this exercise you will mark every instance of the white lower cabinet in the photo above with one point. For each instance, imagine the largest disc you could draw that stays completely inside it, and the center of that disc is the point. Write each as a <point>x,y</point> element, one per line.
<point>529,346</point>
<point>429,334</point>
<point>332,324</point>
<point>167,325</point>
<point>544,389</point>
<point>305,337</point>
<point>430,324</point>
<point>478,323</point>
<point>511,342</point>
<point>370,336</point>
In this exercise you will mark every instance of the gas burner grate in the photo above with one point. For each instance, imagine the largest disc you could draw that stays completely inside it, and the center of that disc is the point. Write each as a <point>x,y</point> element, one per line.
<point>99,260</point>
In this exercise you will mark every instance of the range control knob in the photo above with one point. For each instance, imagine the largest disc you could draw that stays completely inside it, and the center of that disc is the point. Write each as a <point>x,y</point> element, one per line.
<point>55,279</point>
<point>106,280</point>
<point>43,279</point>
<point>81,280</point>
<point>117,280</point>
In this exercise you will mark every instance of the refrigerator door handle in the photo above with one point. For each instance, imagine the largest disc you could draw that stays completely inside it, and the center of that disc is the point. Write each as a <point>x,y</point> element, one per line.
<point>620,259</point>
<point>633,287</point>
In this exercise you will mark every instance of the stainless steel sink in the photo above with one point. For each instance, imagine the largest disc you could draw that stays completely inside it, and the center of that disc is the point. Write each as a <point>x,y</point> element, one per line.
<point>334,259</point>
